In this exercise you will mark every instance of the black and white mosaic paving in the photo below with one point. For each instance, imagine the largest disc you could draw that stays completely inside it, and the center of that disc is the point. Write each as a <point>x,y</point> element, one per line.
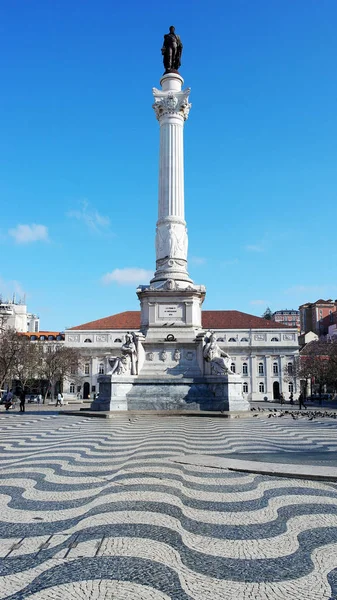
<point>93,508</point>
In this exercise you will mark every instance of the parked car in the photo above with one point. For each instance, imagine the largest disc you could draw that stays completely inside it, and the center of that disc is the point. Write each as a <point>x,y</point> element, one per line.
<point>317,397</point>
<point>31,398</point>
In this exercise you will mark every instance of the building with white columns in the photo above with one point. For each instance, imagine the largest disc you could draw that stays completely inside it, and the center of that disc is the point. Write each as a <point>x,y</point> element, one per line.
<point>263,352</point>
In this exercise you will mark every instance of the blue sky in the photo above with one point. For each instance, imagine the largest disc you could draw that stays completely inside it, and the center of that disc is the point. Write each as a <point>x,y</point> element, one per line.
<point>79,151</point>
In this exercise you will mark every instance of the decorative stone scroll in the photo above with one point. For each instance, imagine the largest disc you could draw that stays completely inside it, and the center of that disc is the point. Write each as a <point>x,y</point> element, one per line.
<point>177,355</point>
<point>101,338</point>
<point>73,338</point>
<point>289,336</point>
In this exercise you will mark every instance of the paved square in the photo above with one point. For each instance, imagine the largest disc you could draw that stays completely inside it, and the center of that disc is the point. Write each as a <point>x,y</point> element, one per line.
<point>93,508</point>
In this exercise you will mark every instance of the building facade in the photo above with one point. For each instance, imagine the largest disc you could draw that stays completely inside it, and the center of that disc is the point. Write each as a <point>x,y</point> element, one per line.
<point>317,316</point>
<point>290,318</point>
<point>262,352</point>
<point>14,315</point>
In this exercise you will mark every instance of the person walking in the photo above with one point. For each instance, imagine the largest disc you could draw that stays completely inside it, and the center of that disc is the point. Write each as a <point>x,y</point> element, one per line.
<point>301,401</point>
<point>9,400</point>
<point>282,399</point>
<point>291,398</point>
<point>59,400</point>
<point>22,397</point>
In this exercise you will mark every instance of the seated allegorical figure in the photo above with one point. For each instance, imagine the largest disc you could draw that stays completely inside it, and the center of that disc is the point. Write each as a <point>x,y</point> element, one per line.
<point>220,360</point>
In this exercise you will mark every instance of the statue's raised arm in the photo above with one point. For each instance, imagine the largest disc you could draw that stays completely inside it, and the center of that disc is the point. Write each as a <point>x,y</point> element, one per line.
<point>172,51</point>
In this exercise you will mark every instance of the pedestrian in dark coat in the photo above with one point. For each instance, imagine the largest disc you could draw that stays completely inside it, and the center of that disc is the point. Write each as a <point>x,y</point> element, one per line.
<point>22,401</point>
<point>301,401</point>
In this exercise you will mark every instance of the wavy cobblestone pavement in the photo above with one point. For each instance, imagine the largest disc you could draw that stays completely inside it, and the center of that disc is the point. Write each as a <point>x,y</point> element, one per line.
<point>93,508</point>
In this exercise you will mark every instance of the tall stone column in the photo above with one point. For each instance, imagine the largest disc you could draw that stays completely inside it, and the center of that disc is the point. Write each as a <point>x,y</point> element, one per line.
<point>171,107</point>
<point>171,303</point>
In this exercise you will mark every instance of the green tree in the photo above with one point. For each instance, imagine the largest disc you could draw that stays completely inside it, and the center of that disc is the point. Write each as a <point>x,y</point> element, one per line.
<point>267,314</point>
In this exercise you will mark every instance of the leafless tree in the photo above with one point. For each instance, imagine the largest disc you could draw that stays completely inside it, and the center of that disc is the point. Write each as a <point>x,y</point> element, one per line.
<point>10,344</point>
<point>27,363</point>
<point>318,362</point>
<point>57,364</point>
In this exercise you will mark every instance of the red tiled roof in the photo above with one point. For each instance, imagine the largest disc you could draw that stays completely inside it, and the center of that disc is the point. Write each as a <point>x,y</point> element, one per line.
<point>38,334</point>
<point>211,319</point>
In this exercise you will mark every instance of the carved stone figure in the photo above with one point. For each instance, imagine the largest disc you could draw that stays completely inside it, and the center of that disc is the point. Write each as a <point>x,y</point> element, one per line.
<point>120,365</point>
<point>150,356</point>
<point>134,349</point>
<point>129,348</point>
<point>171,51</point>
<point>163,356</point>
<point>220,360</point>
<point>133,354</point>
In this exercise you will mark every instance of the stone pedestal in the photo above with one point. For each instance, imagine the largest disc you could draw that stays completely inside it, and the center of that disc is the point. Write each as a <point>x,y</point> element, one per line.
<point>171,310</point>
<point>172,378</point>
<point>169,393</point>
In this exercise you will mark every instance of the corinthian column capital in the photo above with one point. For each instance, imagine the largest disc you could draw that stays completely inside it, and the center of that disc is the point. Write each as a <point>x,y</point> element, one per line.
<point>171,103</point>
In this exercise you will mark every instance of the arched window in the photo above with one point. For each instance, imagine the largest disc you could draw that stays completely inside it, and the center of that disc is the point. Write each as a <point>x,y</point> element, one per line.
<point>275,368</point>
<point>290,368</point>
<point>51,338</point>
<point>87,369</point>
<point>59,338</point>
<point>72,388</point>
<point>87,340</point>
<point>232,340</point>
<point>245,369</point>
<point>244,340</point>
<point>33,338</point>
<point>42,337</point>
<point>275,339</point>
<point>261,387</point>
<point>291,387</point>
<point>245,388</point>
<point>261,369</point>
<point>101,369</point>
<point>233,368</point>
<point>117,341</point>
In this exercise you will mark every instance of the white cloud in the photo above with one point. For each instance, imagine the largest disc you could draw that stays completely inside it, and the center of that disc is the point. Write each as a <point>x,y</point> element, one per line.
<point>254,248</point>
<point>10,287</point>
<point>327,290</point>
<point>259,302</point>
<point>128,276</point>
<point>89,216</point>
<point>25,234</point>
<point>197,260</point>
<point>229,262</point>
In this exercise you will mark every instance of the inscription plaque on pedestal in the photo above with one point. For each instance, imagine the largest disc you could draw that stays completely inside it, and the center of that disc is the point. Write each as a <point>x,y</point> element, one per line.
<point>171,311</point>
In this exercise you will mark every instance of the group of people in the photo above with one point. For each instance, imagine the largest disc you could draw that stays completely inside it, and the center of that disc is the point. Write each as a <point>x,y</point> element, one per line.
<point>291,400</point>
<point>8,399</point>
